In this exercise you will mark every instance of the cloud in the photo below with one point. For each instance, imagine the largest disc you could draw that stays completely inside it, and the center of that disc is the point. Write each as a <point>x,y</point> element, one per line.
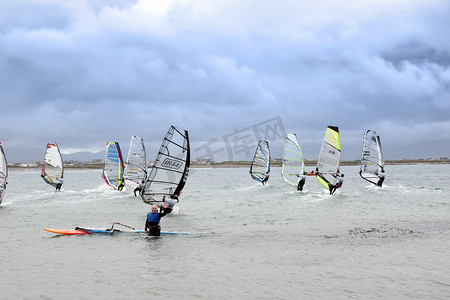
<point>85,72</point>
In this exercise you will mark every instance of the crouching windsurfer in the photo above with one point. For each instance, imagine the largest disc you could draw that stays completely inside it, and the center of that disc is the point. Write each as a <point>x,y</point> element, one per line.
<point>170,203</point>
<point>339,182</point>
<point>152,223</point>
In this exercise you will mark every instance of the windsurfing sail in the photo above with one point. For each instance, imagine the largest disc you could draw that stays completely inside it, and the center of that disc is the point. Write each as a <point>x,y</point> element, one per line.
<point>372,162</point>
<point>113,169</point>
<point>136,165</point>
<point>329,158</point>
<point>170,169</point>
<point>260,168</point>
<point>53,167</point>
<point>293,163</point>
<point>3,172</point>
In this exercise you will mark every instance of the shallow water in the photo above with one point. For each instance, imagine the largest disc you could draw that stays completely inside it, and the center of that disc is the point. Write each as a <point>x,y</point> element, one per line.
<point>266,242</point>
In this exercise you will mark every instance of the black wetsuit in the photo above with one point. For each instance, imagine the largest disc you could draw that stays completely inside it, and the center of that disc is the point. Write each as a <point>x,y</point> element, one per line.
<point>300,185</point>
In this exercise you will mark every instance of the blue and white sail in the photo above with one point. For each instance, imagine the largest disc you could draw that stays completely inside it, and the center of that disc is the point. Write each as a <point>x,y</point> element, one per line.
<point>260,168</point>
<point>372,162</point>
<point>136,164</point>
<point>3,173</point>
<point>170,170</point>
<point>293,164</point>
<point>114,167</point>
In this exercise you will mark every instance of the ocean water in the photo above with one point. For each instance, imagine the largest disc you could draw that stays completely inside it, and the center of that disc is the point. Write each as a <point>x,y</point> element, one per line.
<point>268,242</point>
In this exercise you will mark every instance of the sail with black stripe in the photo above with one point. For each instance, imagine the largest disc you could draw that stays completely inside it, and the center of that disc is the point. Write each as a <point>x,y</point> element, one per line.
<point>53,167</point>
<point>114,166</point>
<point>329,158</point>
<point>3,173</point>
<point>293,163</point>
<point>169,173</point>
<point>260,168</point>
<point>372,162</point>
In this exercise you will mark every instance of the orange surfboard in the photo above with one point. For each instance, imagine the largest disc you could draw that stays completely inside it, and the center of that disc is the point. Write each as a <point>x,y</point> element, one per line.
<point>67,231</point>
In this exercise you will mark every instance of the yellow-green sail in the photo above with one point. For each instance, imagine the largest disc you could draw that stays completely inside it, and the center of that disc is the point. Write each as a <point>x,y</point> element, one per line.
<point>329,158</point>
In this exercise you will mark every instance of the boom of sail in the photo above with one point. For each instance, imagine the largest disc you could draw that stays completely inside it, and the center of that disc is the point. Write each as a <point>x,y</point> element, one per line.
<point>3,172</point>
<point>371,157</point>
<point>53,167</point>
<point>293,163</point>
<point>170,170</point>
<point>113,169</point>
<point>260,168</point>
<point>136,165</point>
<point>329,158</point>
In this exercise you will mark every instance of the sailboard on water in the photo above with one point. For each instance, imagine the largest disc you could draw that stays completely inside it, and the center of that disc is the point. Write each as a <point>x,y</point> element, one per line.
<point>260,168</point>
<point>169,173</point>
<point>293,165</point>
<point>111,230</point>
<point>372,163</point>
<point>136,164</point>
<point>113,169</point>
<point>329,158</point>
<point>3,173</point>
<point>53,167</point>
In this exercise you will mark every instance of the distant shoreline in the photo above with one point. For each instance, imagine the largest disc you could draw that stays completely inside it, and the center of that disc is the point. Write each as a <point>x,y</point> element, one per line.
<point>246,164</point>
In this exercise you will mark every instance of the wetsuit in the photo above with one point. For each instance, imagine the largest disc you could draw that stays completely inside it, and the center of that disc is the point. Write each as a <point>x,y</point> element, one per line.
<point>301,182</point>
<point>152,223</point>
<point>380,181</point>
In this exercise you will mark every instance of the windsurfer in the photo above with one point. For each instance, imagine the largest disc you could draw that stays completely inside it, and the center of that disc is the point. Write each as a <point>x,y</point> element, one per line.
<point>170,203</point>
<point>301,182</point>
<point>152,222</point>
<point>381,175</point>
<point>266,177</point>
<point>139,188</point>
<point>339,182</point>
<point>121,185</point>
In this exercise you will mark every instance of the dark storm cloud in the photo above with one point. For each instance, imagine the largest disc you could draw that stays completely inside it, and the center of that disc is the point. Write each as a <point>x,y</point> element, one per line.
<point>85,72</point>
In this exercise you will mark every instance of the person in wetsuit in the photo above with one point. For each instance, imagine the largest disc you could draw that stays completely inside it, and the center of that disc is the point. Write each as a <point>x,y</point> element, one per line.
<point>152,222</point>
<point>381,174</point>
<point>301,182</point>
<point>339,182</point>
<point>139,188</point>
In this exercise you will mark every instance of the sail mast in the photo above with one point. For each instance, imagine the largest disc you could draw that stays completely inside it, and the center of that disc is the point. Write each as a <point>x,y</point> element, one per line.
<point>136,165</point>
<point>260,168</point>
<point>169,173</point>
<point>329,158</point>
<point>3,172</point>
<point>371,157</point>
<point>293,163</point>
<point>53,167</point>
<point>113,169</point>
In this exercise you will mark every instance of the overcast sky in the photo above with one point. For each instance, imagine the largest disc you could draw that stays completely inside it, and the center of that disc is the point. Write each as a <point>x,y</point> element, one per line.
<point>85,72</point>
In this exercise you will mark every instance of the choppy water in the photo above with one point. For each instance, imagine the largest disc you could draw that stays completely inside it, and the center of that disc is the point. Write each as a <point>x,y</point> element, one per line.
<point>263,242</point>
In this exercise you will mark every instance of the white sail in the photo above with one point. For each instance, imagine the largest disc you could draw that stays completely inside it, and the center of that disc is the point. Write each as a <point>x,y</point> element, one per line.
<point>293,163</point>
<point>136,164</point>
<point>53,168</point>
<point>371,157</point>
<point>260,168</point>
<point>329,158</point>
<point>3,172</point>
<point>170,170</point>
